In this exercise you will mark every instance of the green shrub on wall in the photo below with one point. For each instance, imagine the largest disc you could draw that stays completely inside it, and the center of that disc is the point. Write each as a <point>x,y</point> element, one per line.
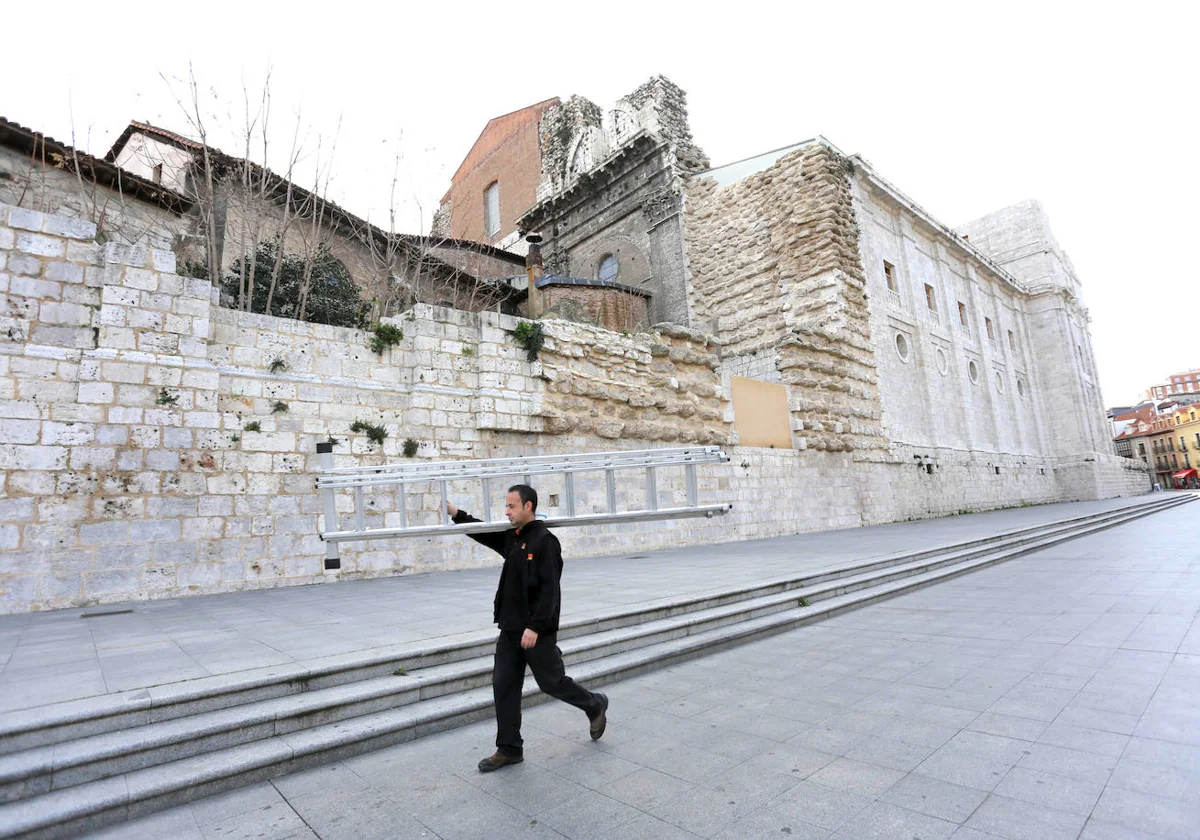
<point>331,298</point>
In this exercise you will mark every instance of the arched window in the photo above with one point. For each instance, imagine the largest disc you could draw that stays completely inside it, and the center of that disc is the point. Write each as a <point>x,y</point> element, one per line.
<point>608,268</point>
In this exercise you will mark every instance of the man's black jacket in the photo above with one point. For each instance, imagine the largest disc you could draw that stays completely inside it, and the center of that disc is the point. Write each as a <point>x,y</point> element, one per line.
<point>528,595</point>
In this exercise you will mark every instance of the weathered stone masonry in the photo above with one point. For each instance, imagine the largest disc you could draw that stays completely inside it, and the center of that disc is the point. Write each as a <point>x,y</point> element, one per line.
<point>148,448</point>
<point>776,269</point>
<point>132,468</point>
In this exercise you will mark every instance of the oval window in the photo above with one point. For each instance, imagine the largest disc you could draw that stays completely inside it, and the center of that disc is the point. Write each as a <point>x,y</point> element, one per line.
<point>973,371</point>
<point>999,382</point>
<point>1021,387</point>
<point>943,364</point>
<point>608,268</point>
<point>902,347</point>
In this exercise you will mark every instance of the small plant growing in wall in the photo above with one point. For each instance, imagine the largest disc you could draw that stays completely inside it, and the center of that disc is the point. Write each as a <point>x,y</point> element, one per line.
<point>375,434</point>
<point>279,407</point>
<point>410,448</point>
<point>165,397</point>
<point>385,336</point>
<point>252,426</point>
<point>332,441</point>
<point>278,365</point>
<point>235,438</point>
<point>468,351</point>
<point>531,336</point>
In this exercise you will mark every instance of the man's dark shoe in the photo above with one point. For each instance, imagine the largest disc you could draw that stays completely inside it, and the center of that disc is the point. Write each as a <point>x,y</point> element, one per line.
<point>498,760</point>
<point>601,720</point>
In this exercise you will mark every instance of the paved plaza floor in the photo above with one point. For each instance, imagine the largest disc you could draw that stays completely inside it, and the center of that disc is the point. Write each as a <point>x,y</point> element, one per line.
<point>54,656</point>
<point>1052,696</point>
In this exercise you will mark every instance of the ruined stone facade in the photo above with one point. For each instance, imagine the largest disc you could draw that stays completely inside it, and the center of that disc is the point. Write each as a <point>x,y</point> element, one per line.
<point>612,186</point>
<point>899,340</point>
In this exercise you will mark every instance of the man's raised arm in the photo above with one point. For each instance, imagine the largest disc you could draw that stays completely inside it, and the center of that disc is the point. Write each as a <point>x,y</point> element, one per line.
<point>493,540</point>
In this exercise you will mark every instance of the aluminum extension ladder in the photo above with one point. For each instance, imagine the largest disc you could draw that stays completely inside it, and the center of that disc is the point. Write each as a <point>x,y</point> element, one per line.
<point>397,477</point>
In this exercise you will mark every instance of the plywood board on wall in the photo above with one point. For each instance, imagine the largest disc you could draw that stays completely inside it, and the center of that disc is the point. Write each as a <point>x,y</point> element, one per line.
<point>760,413</point>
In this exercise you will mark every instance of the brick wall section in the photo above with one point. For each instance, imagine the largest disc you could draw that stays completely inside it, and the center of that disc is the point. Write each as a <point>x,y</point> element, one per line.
<point>609,308</point>
<point>506,152</point>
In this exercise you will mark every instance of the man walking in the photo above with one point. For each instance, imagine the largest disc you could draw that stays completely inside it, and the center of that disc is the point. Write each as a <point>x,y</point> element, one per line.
<point>526,609</point>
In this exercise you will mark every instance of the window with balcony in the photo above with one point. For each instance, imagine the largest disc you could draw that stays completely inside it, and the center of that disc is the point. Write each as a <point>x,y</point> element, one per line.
<point>1141,449</point>
<point>1012,341</point>
<point>931,300</point>
<point>1174,462</point>
<point>991,330</point>
<point>889,274</point>
<point>1182,444</point>
<point>962,317</point>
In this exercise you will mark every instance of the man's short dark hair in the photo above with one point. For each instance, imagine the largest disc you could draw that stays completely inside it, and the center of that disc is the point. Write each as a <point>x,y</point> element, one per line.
<point>527,494</point>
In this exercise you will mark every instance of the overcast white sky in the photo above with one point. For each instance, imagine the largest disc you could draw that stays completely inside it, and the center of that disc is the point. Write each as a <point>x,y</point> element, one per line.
<point>967,107</point>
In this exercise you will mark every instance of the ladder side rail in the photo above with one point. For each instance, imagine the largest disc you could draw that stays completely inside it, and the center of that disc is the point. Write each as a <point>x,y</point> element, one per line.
<point>676,451</point>
<point>329,507</point>
<point>371,475</point>
<point>563,522</point>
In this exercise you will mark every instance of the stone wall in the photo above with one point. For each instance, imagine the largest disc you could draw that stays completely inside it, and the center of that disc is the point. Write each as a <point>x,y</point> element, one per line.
<point>775,264</point>
<point>650,387</point>
<point>154,445</point>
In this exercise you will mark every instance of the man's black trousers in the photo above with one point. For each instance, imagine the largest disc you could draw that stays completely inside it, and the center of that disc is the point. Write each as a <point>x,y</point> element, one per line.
<point>508,677</point>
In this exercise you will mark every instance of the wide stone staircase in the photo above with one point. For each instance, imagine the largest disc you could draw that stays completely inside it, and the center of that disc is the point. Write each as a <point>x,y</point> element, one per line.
<point>70,767</point>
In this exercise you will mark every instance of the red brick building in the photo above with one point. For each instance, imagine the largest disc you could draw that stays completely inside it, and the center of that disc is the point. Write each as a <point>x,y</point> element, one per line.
<point>497,180</point>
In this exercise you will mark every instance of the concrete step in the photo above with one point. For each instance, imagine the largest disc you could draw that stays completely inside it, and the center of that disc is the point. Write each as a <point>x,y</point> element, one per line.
<point>67,811</point>
<point>232,743</point>
<point>301,738</point>
<point>52,767</point>
<point>47,725</point>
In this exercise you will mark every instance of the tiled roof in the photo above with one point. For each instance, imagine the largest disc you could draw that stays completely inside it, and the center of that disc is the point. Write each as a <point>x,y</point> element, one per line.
<point>60,155</point>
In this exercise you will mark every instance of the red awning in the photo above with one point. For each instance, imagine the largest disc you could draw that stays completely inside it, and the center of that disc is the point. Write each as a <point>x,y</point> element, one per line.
<point>1185,474</point>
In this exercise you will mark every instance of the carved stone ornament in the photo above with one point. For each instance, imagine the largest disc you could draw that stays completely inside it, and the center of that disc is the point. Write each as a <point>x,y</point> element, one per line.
<point>660,204</point>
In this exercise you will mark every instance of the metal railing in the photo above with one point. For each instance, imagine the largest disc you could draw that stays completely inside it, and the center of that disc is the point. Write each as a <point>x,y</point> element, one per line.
<point>358,480</point>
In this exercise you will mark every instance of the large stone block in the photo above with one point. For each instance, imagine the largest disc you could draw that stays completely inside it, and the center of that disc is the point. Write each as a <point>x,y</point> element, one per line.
<point>20,217</point>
